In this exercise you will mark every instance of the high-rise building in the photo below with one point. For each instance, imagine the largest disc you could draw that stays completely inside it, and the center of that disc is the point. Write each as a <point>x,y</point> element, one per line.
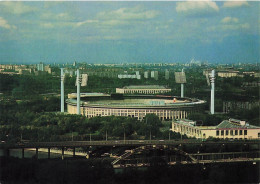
<point>146,74</point>
<point>40,66</point>
<point>154,74</point>
<point>167,74</point>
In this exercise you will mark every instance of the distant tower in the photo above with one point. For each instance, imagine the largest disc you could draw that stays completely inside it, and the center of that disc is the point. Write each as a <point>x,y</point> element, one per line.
<point>146,74</point>
<point>182,85</point>
<point>40,66</point>
<point>212,80</point>
<point>167,74</point>
<point>78,92</point>
<point>180,78</point>
<point>62,91</point>
<point>154,74</point>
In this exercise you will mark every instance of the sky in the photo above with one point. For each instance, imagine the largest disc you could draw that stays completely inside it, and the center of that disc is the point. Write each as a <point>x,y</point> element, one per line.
<point>129,32</point>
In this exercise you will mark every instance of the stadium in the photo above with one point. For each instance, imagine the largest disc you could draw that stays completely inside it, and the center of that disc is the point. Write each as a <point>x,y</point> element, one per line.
<point>165,107</point>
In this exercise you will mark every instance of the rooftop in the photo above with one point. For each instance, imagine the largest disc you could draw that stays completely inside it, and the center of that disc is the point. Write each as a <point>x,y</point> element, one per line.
<point>74,95</point>
<point>226,124</point>
<point>233,123</point>
<point>145,87</point>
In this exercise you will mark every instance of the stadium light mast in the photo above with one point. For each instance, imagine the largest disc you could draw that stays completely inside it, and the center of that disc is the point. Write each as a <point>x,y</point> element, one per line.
<point>78,92</point>
<point>212,103</point>
<point>182,85</point>
<point>180,78</point>
<point>62,91</point>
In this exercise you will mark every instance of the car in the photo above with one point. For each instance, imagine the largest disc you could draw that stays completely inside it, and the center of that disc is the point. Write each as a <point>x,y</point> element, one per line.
<point>105,155</point>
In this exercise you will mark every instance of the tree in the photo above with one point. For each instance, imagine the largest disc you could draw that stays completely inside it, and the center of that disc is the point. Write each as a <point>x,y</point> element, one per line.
<point>153,124</point>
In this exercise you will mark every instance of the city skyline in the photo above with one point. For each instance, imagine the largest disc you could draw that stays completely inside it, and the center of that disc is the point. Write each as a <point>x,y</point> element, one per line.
<point>134,32</point>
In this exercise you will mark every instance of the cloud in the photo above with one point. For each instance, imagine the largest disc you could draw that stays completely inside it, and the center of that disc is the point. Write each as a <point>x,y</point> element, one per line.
<point>4,24</point>
<point>47,25</point>
<point>86,22</point>
<point>55,16</point>
<point>135,13</point>
<point>16,7</point>
<point>229,20</point>
<point>235,4</point>
<point>194,8</point>
<point>120,17</point>
<point>235,27</point>
<point>229,27</point>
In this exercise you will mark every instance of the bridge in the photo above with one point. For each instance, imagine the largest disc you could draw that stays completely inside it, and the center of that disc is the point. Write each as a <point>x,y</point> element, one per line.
<point>133,158</point>
<point>174,147</point>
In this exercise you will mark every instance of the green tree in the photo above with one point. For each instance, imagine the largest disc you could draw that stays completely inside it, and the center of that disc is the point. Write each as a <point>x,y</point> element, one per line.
<point>153,124</point>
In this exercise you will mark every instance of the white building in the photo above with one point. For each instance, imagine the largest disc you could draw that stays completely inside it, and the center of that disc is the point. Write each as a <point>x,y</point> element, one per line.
<point>167,74</point>
<point>227,129</point>
<point>154,74</point>
<point>146,74</point>
<point>146,89</point>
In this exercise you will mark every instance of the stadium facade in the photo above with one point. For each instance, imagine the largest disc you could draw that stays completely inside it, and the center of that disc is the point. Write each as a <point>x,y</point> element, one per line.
<point>165,107</point>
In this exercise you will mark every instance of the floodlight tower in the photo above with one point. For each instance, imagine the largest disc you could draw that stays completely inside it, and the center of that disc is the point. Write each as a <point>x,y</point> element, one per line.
<point>62,90</point>
<point>182,85</point>
<point>78,91</point>
<point>212,80</point>
<point>180,78</point>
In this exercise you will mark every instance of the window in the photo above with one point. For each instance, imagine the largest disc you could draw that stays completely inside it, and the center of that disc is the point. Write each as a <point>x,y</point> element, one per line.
<point>245,132</point>
<point>226,132</point>
<point>240,132</point>
<point>231,132</point>
<point>217,133</point>
<point>236,132</point>
<point>222,132</point>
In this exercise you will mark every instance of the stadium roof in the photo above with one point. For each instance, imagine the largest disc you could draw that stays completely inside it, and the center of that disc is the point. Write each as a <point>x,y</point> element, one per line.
<point>138,101</point>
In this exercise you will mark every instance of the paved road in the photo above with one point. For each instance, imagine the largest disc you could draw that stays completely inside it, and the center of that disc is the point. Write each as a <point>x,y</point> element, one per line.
<point>119,143</point>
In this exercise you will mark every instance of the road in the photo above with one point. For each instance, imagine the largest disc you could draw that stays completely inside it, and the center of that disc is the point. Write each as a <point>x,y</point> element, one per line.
<point>120,143</point>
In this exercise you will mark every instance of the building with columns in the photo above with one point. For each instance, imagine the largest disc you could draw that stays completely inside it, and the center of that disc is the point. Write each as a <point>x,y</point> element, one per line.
<point>165,107</point>
<point>143,89</point>
<point>227,129</point>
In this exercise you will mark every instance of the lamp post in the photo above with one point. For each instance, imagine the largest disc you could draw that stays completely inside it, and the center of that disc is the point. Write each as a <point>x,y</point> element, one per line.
<point>169,134</point>
<point>124,131</point>
<point>78,92</point>
<point>150,129</point>
<point>62,90</point>
<point>106,135</point>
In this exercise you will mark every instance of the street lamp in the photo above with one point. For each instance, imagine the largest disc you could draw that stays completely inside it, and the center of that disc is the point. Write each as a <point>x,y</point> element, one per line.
<point>124,134</point>
<point>124,131</point>
<point>106,135</point>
